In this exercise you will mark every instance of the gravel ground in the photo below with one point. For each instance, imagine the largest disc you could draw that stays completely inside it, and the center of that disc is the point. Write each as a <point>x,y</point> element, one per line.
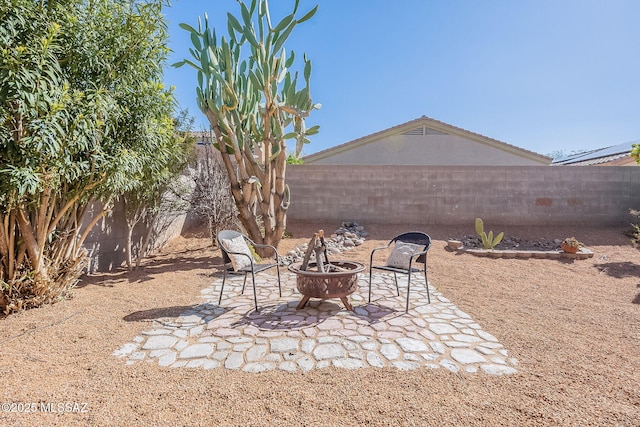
<point>574,327</point>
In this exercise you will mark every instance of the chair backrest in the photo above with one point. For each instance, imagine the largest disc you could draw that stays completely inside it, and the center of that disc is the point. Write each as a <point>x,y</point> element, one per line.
<point>226,235</point>
<point>417,238</point>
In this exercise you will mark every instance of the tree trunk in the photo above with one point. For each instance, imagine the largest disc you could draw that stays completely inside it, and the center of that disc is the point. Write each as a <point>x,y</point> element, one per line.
<point>4,249</point>
<point>29,238</point>
<point>147,239</point>
<point>129,259</point>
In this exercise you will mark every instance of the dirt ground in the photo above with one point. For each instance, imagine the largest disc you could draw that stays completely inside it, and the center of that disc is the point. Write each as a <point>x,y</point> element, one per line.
<point>574,327</point>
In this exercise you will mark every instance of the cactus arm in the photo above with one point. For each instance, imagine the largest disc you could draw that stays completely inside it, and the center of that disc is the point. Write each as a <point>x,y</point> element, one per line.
<point>479,227</point>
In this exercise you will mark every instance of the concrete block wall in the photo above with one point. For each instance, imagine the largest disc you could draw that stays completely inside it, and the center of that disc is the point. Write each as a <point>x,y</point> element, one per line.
<point>449,195</point>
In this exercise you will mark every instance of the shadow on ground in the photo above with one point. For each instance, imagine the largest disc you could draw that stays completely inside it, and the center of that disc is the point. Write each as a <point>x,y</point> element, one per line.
<point>619,270</point>
<point>164,313</point>
<point>157,313</point>
<point>150,268</point>
<point>286,317</point>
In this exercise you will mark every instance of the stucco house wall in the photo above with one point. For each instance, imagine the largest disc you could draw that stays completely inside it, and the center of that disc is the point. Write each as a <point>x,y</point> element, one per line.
<point>426,141</point>
<point>426,150</point>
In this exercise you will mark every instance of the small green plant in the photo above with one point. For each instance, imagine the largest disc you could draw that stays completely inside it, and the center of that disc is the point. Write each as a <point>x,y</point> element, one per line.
<point>292,159</point>
<point>488,241</point>
<point>634,233</point>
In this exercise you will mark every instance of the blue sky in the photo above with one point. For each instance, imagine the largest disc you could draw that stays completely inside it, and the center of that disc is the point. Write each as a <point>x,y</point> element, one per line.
<point>543,75</point>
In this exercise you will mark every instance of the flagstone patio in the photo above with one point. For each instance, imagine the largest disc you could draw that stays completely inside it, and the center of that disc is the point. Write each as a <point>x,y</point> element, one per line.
<point>278,336</point>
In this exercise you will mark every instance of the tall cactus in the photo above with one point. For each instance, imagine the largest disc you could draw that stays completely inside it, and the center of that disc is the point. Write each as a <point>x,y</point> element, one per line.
<point>254,106</point>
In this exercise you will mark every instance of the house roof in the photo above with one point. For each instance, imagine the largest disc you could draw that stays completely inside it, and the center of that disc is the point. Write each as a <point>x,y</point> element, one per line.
<point>599,156</point>
<point>433,125</point>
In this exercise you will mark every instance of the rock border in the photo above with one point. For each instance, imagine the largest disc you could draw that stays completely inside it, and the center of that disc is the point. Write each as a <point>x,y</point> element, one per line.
<point>347,237</point>
<point>583,253</point>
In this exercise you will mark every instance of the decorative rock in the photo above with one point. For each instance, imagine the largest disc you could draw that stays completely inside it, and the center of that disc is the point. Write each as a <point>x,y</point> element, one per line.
<point>437,347</point>
<point>258,367</point>
<point>191,319</point>
<point>390,351</point>
<point>375,360</point>
<point>234,361</point>
<point>160,353</point>
<point>196,350</point>
<point>256,353</point>
<point>157,332</point>
<point>282,345</point>
<point>448,364</point>
<point>348,236</point>
<point>467,356</point>
<point>210,364</point>
<point>442,328</point>
<point>126,349</point>
<point>167,359</point>
<point>465,338</point>
<point>288,366</point>
<point>487,337</point>
<point>329,351</point>
<point>157,342</point>
<point>348,363</point>
<point>306,364</point>
<point>181,345</point>
<point>412,345</point>
<point>497,369</point>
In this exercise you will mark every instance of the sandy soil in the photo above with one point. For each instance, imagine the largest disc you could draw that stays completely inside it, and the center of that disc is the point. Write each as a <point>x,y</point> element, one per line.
<point>573,326</point>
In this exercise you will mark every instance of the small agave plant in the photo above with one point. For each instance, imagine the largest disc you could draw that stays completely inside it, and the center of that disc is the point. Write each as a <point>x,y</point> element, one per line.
<point>488,241</point>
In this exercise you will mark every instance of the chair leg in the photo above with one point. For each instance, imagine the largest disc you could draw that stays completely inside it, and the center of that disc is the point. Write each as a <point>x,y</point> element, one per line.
<point>408,290</point>
<point>224,277</point>
<point>255,293</point>
<point>370,268</point>
<point>244,282</point>
<point>395,278</point>
<point>426,284</point>
<point>279,284</point>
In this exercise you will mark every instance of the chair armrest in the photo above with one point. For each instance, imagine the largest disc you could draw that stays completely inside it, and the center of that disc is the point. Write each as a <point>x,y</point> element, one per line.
<point>258,245</point>
<point>377,249</point>
<point>417,255</point>
<point>243,254</point>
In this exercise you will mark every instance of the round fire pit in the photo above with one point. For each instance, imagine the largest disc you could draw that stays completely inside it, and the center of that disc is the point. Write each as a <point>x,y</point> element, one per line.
<point>338,281</point>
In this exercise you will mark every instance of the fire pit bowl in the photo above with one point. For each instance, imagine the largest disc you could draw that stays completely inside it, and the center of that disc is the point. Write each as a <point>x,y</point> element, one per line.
<point>338,281</point>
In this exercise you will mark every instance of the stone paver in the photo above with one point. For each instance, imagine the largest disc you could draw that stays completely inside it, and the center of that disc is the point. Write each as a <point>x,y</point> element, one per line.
<point>377,334</point>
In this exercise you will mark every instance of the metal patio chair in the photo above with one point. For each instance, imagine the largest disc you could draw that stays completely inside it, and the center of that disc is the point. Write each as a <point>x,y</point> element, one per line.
<point>237,254</point>
<point>410,250</point>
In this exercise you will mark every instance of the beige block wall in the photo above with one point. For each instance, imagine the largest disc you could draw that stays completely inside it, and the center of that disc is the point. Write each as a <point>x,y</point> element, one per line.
<point>509,195</point>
